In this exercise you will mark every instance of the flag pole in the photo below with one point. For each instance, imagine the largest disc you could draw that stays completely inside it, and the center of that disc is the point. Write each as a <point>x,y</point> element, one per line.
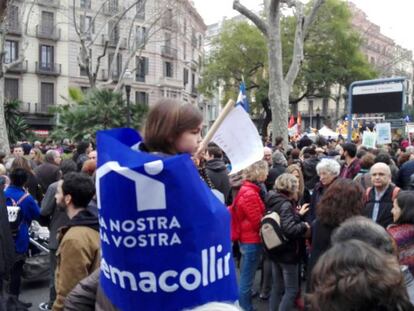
<point>223,114</point>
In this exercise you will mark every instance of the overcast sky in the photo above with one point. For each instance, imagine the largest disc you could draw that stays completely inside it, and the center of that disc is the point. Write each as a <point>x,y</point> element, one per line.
<point>395,17</point>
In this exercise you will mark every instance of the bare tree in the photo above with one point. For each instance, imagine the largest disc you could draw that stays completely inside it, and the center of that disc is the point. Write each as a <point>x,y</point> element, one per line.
<point>130,46</point>
<point>280,84</point>
<point>9,23</point>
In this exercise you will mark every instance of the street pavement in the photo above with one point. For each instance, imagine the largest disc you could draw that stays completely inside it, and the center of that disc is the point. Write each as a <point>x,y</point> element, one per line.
<point>37,292</point>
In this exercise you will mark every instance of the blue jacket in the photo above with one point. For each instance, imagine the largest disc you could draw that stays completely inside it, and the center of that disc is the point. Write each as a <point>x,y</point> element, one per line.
<point>30,211</point>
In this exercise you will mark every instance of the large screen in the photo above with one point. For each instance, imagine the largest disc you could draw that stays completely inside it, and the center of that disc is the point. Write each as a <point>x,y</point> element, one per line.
<point>380,98</point>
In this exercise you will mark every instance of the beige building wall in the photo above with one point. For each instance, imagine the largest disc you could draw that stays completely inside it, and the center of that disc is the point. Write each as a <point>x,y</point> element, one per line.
<point>188,31</point>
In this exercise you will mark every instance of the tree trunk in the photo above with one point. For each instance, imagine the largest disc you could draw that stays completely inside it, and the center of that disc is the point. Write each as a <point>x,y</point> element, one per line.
<point>267,118</point>
<point>4,138</point>
<point>278,90</point>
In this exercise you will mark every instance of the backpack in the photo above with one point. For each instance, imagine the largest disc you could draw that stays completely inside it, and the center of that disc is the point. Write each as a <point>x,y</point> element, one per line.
<point>14,212</point>
<point>271,231</point>
<point>395,192</point>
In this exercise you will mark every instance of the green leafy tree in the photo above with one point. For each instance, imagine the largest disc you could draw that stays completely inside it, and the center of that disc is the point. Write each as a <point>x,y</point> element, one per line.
<point>17,128</point>
<point>331,56</point>
<point>97,110</point>
<point>238,53</point>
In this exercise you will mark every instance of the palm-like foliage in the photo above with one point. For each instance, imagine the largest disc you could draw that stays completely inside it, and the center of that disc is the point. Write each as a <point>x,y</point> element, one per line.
<point>17,128</point>
<point>97,110</point>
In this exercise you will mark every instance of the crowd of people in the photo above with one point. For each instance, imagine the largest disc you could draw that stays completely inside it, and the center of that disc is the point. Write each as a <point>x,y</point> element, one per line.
<point>346,214</point>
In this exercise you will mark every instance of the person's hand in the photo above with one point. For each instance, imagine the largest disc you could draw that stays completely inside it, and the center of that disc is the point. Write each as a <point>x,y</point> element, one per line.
<point>304,209</point>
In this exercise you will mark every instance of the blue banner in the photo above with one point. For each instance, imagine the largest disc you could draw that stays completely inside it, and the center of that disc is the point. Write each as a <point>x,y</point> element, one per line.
<point>165,236</point>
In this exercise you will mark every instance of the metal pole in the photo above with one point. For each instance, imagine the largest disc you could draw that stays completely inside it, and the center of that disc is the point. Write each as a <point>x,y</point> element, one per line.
<point>128,93</point>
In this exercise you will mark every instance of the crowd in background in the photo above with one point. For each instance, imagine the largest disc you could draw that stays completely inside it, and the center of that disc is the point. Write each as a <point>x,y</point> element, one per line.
<point>347,213</point>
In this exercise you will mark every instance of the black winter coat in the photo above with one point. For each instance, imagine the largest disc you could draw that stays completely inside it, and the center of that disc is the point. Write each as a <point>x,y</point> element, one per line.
<point>321,242</point>
<point>274,173</point>
<point>7,251</point>
<point>217,172</point>
<point>292,226</point>
<point>310,175</point>
<point>384,217</point>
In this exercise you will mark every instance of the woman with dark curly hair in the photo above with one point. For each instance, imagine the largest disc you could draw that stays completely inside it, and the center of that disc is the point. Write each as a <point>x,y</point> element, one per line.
<point>353,275</point>
<point>342,200</point>
<point>402,230</point>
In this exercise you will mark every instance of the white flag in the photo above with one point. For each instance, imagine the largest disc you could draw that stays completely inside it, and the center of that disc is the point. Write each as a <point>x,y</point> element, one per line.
<point>239,139</point>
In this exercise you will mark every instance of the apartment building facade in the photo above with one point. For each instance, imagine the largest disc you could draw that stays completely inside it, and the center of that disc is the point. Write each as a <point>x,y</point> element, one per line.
<point>160,43</point>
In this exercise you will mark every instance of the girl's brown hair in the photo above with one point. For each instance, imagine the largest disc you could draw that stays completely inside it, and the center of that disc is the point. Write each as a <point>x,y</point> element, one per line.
<point>166,121</point>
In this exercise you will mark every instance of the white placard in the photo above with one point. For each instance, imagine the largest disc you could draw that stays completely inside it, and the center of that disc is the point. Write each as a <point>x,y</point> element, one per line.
<point>239,139</point>
<point>383,133</point>
<point>369,139</point>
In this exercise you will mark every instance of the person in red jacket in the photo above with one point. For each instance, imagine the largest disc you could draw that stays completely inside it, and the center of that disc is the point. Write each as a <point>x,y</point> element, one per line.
<point>249,210</point>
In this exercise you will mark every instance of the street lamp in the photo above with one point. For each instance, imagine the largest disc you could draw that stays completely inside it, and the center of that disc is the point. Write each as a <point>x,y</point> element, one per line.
<point>127,83</point>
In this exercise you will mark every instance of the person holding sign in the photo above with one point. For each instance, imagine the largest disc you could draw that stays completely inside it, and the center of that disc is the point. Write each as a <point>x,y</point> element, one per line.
<point>165,236</point>
<point>172,129</point>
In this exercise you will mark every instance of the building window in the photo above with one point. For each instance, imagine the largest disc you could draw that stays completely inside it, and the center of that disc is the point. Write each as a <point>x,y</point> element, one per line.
<point>83,72</point>
<point>13,16</point>
<point>185,28</point>
<point>200,42</point>
<point>167,37</point>
<point>85,4</point>
<point>185,51</point>
<point>11,49</point>
<point>185,77</point>
<point>141,9</point>
<point>141,33</point>
<point>113,6</point>
<point>142,68</point>
<point>141,98</point>
<point>86,24</point>
<point>47,96</point>
<point>113,32</point>
<point>48,22</point>
<point>193,86</point>
<point>46,57</point>
<point>117,66</point>
<point>11,89</point>
<point>168,69</point>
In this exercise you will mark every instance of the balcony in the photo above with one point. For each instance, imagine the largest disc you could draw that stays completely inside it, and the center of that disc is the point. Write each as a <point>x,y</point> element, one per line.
<point>114,75</point>
<point>50,3</point>
<point>170,82</point>
<point>50,69</point>
<point>14,29</point>
<point>35,108</point>
<point>113,42</point>
<point>111,9</point>
<point>194,92</point>
<point>18,68</point>
<point>169,24</point>
<point>140,78</point>
<point>47,33</point>
<point>168,51</point>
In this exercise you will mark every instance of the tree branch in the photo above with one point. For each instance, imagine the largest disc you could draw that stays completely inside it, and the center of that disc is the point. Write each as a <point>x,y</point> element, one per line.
<point>250,15</point>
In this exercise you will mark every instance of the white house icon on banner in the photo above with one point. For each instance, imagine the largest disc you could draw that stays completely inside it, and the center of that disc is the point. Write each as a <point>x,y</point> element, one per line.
<point>149,192</point>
